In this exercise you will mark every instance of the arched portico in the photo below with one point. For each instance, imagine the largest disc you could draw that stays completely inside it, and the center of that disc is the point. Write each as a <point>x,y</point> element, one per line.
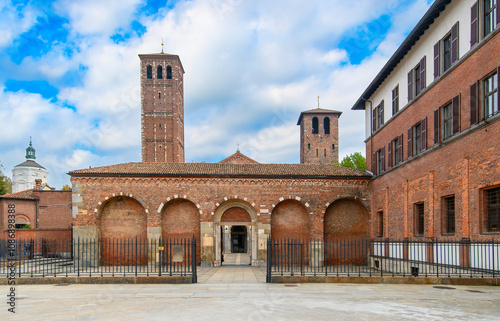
<point>250,225</point>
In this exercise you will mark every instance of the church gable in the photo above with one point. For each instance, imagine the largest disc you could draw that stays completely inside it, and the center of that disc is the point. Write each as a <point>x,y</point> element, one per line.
<point>238,158</point>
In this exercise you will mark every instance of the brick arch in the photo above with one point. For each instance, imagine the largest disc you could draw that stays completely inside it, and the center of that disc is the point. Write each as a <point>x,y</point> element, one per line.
<point>109,196</point>
<point>22,217</point>
<point>361,200</point>
<point>235,202</point>
<point>290,219</point>
<point>174,197</point>
<point>294,198</point>
<point>122,219</point>
<point>346,218</point>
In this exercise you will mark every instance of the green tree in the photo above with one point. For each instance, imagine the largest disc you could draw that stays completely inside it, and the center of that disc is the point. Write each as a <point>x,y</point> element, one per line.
<point>355,160</point>
<point>5,183</point>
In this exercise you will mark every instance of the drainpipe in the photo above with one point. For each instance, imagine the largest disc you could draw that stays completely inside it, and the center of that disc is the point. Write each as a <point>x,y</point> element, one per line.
<point>36,198</point>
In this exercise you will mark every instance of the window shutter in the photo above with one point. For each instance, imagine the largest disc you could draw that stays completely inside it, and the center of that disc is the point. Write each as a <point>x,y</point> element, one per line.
<point>382,159</point>
<point>374,163</point>
<point>410,142</point>
<point>455,105</point>
<point>395,100</point>
<point>423,136</point>
<point>374,119</point>
<point>474,108</point>
<point>400,147</point>
<point>389,155</point>
<point>437,122</point>
<point>437,61</point>
<point>454,43</point>
<point>410,85</point>
<point>382,112</point>
<point>422,74</point>
<point>498,13</point>
<point>498,73</point>
<point>474,24</point>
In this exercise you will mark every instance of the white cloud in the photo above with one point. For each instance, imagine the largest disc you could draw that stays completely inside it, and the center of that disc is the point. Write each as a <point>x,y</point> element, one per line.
<point>14,22</point>
<point>90,17</point>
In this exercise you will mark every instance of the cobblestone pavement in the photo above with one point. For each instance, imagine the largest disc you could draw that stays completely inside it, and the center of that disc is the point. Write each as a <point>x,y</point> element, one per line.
<point>239,293</point>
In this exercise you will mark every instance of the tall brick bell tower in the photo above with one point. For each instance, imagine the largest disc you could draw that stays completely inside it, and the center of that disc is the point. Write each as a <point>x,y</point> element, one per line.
<point>162,108</point>
<point>319,136</point>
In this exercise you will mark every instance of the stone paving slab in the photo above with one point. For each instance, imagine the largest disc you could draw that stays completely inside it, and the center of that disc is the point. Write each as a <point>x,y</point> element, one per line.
<point>236,293</point>
<point>254,302</point>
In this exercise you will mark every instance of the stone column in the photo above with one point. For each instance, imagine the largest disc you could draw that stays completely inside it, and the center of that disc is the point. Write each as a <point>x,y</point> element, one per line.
<point>207,244</point>
<point>154,235</point>
<point>86,248</point>
<point>316,253</point>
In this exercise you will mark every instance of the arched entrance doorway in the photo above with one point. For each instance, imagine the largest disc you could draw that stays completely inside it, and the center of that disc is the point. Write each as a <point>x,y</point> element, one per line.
<point>238,239</point>
<point>235,230</point>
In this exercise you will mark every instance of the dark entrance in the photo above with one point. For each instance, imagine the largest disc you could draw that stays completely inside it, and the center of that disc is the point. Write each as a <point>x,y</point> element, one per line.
<point>238,239</point>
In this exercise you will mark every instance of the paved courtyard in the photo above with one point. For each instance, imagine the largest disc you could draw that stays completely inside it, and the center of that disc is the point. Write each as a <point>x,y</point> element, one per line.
<point>239,292</point>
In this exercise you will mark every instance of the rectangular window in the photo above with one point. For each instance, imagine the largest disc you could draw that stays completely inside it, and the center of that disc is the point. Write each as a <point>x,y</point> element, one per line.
<point>417,80</point>
<point>449,214</point>
<point>378,161</point>
<point>446,53</point>
<point>417,138</point>
<point>490,16</point>
<point>395,100</point>
<point>490,96</point>
<point>419,219</point>
<point>493,209</point>
<point>380,224</point>
<point>378,116</point>
<point>395,151</point>
<point>446,121</point>
<point>380,154</point>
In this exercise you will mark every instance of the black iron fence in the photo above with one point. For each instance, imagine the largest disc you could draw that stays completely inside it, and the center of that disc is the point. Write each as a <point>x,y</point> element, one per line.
<point>110,257</point>
<point>367,257</point>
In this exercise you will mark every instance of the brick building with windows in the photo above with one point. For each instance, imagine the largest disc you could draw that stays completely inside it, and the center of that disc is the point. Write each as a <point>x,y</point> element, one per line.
<point>230,206</point>
<point>435,152</point>
<point>40,214</point>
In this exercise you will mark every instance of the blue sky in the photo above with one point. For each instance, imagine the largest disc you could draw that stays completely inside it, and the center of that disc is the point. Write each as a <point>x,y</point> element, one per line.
<point>69,74</point>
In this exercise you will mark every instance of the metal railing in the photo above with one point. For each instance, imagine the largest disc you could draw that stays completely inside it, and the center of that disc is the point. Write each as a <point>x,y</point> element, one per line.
<point>368,258</point>
<point>110,257</point>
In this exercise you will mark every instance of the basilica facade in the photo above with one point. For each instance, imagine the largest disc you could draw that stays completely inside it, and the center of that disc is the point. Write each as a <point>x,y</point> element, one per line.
<point>232,206</point>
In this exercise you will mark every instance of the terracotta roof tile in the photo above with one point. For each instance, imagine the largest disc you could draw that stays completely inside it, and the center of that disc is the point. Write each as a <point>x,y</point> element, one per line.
<point>27,194</point>
<point>223,170</point>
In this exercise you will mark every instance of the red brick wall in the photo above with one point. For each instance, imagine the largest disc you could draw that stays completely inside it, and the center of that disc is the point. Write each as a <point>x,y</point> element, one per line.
<point>59,235</point>
<point>290,219</point>
<point>346,218</point>
<point>209,193</point>
<point>236,214</point>
<point>180,219</point>
<point>54,209</point>
<point>461,166</point>
<point>123,219</point>
<point>25,211</point>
